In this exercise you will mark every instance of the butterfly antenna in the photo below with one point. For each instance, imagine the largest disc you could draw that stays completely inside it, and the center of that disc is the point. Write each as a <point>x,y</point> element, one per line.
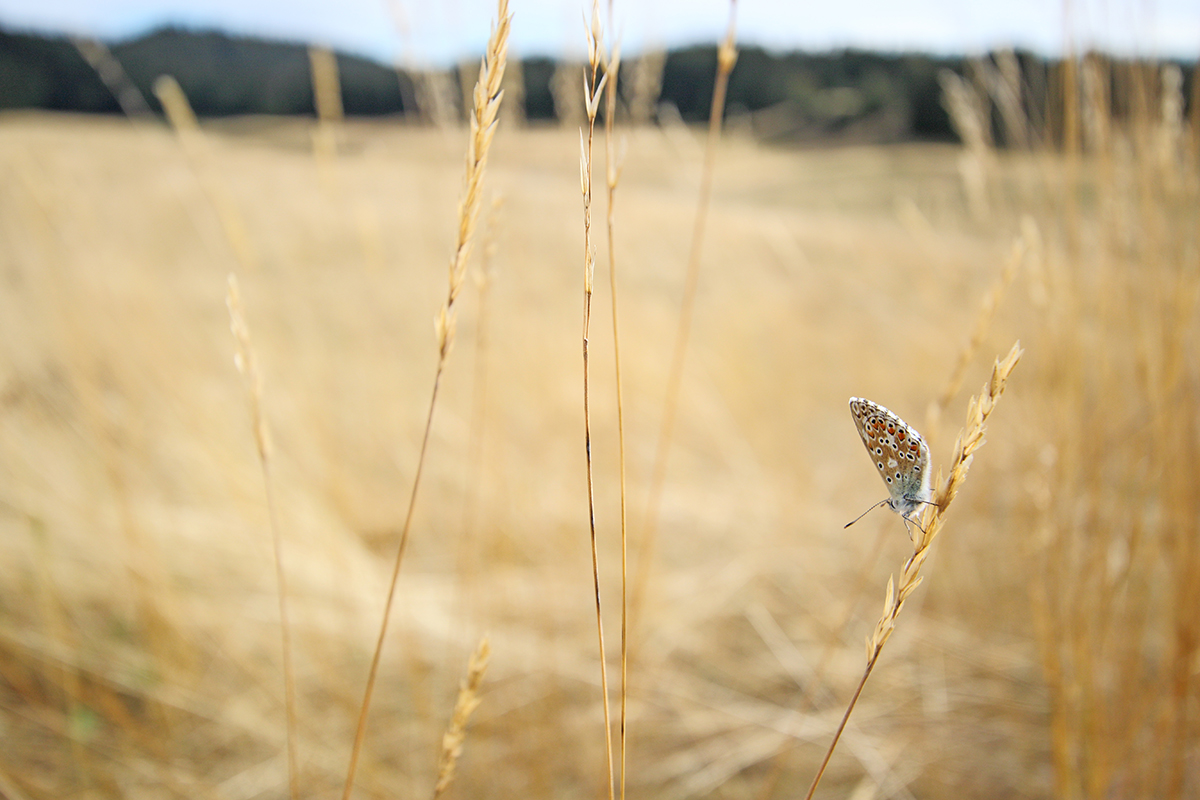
<point>860,516</point>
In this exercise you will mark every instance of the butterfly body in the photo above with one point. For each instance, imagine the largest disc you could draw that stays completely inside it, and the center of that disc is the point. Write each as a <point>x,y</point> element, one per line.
<point>899,454</point>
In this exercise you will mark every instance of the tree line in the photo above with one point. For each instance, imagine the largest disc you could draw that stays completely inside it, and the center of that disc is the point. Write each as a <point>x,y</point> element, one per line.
<point>846,94</point>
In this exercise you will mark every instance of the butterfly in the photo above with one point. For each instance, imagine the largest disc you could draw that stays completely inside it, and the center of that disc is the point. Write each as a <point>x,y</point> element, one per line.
<point>900,455</point>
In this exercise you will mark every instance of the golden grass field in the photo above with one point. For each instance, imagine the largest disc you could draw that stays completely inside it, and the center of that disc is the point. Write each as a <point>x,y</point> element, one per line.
<point>1050,652</point>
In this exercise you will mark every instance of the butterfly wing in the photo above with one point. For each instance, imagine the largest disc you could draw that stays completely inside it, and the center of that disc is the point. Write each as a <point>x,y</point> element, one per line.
<point>898,452</point>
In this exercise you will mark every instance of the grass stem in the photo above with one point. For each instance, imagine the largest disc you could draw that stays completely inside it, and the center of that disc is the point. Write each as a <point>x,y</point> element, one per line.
<point>247,365</point>
<point>593,89</point>
<point>484,118</point>
<point>726,59</point>
<point>612,174</point>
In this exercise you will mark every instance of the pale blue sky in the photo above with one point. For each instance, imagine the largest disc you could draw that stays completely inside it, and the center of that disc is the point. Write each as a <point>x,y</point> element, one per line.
<point>424,31</point>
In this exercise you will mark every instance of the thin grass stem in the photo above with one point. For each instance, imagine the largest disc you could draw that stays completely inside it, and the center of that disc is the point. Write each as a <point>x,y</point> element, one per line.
<point>726,58</point>
<point>483,121</point>
<point>593,88</point>
<point>247,365</point>
<point>464,705</point>
<point>613,173</point>
<point>360,730</point>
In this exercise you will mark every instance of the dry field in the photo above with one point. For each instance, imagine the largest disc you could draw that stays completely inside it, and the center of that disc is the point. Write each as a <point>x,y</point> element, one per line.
<point>1050,652</point>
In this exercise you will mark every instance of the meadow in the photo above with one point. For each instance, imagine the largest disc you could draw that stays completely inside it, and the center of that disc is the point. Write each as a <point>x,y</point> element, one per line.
<point>1050,651</point>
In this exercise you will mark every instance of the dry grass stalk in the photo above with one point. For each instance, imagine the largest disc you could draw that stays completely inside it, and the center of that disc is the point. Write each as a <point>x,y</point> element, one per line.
<point>327,86</point>
<point>646,86</point>
<point>468,549</point>
<point>1111,544</point>
<point>178,109</point>
<point>1097,110</point>
<point>969,117</point>
<point>112,74</point>
<point>149,589</point>
<point>1005,86</point>
<point>564,91</point>
<point>187,129</point>
<point>1171,131</point>
<point>466,703</point>
<point>247,365</point>
<point>465,77</point>
<point>612,69</point>
<point>514,94</point>
<point>327,97</point>
<point>484,118</point>
<point>726,59</point>
<point>421,98</point>
<point>593,87</point>
<point>970,439</point>
<point>435,92</point>
<point>68,677</point>
<point>967,109</point>
<point>983,321</point>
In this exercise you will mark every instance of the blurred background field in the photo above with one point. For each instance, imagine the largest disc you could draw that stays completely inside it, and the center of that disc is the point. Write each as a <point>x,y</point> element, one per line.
<point>1051,652</point>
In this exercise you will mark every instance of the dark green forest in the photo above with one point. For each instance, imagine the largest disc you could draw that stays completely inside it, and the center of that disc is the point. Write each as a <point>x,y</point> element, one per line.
<point>846,94</point>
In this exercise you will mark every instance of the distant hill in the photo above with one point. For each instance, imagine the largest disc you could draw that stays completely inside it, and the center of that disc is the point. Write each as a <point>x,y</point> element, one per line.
<point>37,72</point>
<point>847,95</point>
<point>221,75</point>
<point>870,95</point>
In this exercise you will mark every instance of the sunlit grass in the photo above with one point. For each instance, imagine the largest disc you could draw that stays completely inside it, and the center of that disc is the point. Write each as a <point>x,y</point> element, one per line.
<point>1045,654</point>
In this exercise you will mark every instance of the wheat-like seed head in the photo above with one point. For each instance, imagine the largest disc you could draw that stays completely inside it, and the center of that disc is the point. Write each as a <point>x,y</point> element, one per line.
<point>965,107</point>
<point>595,34</point>
<point>247,365</point>
<point>593,89</point>
<point>466,703</point>
<point>1005,86</point>
<point>970,439</point>
<point>585,186</point>
<point>616,157</point>
<point>483,120</point>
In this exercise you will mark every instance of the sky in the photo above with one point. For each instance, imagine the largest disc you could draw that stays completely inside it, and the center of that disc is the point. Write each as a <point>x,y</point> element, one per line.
<point>421,32</point>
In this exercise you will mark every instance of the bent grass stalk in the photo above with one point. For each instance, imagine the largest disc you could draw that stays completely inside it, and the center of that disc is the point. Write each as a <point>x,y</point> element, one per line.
<point>726,58</point>
<point>483,121</point>
<point>969,440</point>
<point>593,87</point>
<point>247,365</point>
